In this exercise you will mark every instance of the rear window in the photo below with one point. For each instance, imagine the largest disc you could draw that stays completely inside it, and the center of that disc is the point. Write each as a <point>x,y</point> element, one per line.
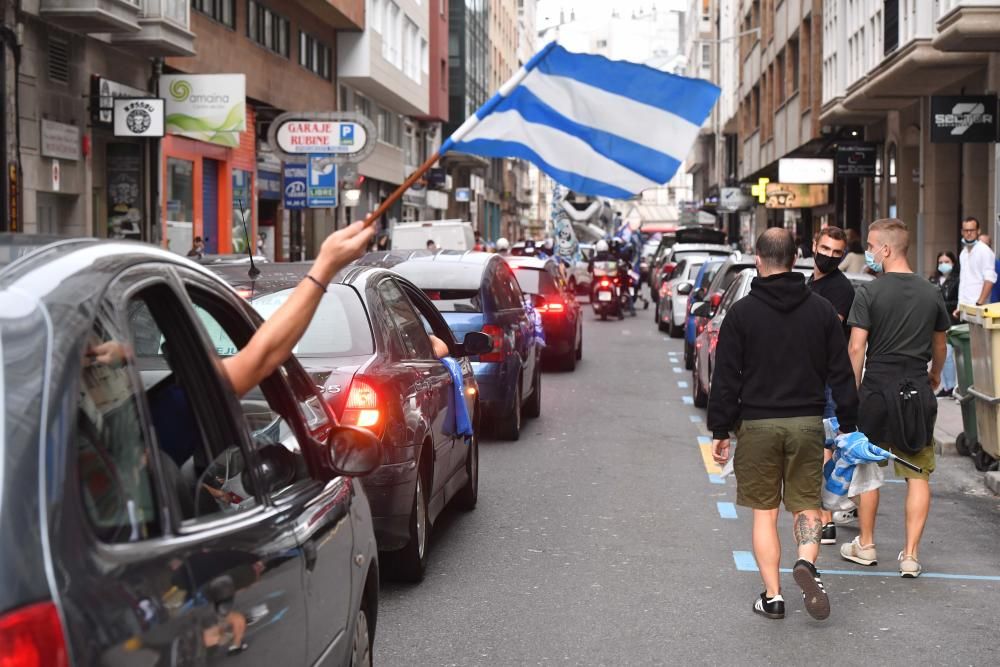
<point>456,300</point>
<point>731,274</point>
<point>692,271</point>
<point>535,281</point>
<point>340,327</point>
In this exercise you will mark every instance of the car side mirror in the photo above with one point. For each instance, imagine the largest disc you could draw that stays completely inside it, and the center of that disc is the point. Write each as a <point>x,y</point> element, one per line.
<point>684,288</point>
<point>715,300</point>
<point>476,343</point>
<point>354,451</point>
<point>702,309</point>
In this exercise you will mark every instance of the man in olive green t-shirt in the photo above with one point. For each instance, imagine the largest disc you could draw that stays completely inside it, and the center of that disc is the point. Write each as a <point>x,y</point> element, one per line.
<point>898,326</point>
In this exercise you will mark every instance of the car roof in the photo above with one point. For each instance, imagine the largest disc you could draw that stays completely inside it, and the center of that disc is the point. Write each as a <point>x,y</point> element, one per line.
<point>691,247</point>
<point>455,269</point>
<point>526,262</point>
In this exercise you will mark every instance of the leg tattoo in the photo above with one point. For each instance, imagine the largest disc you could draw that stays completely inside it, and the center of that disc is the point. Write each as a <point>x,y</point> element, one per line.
<point>807,530</point>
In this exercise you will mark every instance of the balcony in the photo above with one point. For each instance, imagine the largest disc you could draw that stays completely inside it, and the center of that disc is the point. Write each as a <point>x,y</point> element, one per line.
<point>164,30</point>
<point>968,25</point>
<point>92,16</point>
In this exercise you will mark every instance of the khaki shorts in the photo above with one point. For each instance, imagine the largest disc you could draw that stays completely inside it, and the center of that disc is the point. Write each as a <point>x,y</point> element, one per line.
<point>925,459</point>
<point>780,459</point>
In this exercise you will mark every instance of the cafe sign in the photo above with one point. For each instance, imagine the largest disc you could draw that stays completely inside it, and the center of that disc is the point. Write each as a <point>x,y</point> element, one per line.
<point>345,137</point>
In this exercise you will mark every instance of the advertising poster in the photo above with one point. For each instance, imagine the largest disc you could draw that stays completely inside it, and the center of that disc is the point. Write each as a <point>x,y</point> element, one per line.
<point>124,177</point>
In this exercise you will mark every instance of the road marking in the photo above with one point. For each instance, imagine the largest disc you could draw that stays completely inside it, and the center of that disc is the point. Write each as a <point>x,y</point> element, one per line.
<point>682,384</point>
<point>687,400</point>
<point>678,369</point>
<point>711,467</point>
<point>696,419</point>
<point>745,563</point>
<point>715,479</point>
<point>726,510</point>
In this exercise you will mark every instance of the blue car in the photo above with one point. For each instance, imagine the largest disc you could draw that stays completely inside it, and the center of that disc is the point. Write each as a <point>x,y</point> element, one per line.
<point>477,291</point>
<point>698,289</point>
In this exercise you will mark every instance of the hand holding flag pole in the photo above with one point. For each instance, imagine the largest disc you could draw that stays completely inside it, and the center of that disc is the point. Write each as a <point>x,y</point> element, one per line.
<point>600,127</point>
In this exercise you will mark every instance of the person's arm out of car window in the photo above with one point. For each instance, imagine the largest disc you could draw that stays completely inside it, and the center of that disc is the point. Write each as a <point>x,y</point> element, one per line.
<point>273,343</point>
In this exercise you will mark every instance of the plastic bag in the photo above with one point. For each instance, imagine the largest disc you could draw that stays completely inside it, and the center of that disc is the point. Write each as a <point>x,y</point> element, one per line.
<point>867,477</point>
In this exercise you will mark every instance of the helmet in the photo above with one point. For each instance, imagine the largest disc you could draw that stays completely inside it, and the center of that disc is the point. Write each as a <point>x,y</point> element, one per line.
<point>601,246</point>
<point>503,244</point>
<point>549,243</point>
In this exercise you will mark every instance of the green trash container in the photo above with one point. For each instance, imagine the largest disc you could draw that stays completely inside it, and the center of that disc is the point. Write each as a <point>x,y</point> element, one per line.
<point>958,338</point>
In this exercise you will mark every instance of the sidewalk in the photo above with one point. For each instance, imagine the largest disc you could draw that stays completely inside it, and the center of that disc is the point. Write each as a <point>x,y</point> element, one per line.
<point>954,470</point>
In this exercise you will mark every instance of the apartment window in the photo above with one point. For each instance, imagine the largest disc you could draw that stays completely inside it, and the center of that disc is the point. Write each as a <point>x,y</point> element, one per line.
<point>805,40</point>
<point>793,65</point>
<point>267,28</point>
<point>755,108</point>
<point>222,11</point>
<point>315,56</point>
<point>706,61</point>
<point>780,81</point>
<point>377,11</point>
<point>891,26</point>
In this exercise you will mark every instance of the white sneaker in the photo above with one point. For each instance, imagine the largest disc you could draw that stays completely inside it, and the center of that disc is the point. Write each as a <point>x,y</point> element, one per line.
<point>909,566</point>
<point>845,517</point>
<point>861,554</point>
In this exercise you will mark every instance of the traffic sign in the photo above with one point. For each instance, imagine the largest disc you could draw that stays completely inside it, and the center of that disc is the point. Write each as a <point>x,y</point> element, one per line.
<point>321,189</point>
<point>294,186</point>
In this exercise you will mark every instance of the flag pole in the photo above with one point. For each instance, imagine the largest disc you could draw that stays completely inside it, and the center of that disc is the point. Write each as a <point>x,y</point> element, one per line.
<point>459,134</point>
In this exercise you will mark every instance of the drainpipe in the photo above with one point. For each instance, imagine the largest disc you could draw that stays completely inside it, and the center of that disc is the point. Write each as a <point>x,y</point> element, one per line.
<point>156,224</point>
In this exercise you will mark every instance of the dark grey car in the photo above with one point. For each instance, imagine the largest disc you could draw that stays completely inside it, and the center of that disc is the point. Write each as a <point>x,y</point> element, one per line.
<point>148,515</point>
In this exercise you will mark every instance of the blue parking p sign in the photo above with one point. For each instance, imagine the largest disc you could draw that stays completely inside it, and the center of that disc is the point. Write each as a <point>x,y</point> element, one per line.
<point>293,194</point>
<point>347,134</point>
<point>322,185</point>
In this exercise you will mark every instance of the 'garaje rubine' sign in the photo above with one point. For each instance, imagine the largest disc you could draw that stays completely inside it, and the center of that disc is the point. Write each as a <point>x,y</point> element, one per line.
<point>346,137</point>
<point>206,107</point>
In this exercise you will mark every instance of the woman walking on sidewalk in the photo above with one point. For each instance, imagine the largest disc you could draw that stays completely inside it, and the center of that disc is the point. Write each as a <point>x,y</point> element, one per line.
<point>945,276</point>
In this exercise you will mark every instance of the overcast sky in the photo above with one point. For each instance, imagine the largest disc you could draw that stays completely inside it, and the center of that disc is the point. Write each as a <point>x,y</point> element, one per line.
<point>597,10</point>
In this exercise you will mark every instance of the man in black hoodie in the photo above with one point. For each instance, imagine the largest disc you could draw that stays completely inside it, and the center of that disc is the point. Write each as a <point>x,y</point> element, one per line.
<point>778,349</point>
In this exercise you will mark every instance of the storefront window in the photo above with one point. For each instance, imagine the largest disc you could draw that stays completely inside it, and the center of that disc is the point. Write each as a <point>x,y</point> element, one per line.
<point>242,204</point>
<point>180,204</point>
<point>891,195</point>
<point>124,174</point>
<point>877,188</point>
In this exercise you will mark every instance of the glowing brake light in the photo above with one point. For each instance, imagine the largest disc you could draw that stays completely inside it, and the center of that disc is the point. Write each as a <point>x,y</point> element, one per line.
<point>32,637</point>
<point>554,307</point>
<point>605,282</point>
<point>245,294</point>
<point>362,408</point>
<point>496,351</point>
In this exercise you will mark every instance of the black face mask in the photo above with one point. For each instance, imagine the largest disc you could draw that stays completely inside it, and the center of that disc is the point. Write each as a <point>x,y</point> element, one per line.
<point>826,263</point>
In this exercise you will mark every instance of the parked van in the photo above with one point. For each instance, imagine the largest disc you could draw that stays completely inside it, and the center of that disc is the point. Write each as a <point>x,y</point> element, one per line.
<point>446,234</point>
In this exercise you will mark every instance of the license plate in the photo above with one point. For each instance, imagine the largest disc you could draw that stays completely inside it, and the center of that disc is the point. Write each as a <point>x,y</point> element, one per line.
<point>604,296</point>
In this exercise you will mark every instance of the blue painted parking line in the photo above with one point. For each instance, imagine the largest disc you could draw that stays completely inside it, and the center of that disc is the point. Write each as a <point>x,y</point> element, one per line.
<point>678,369</point>
<point>704,440</point>
<point>695,419</point>
<point>745,563</point>
<point>726,510</point>
<point>687,400</point>
<point>682,384</point>
<point>716,479</point>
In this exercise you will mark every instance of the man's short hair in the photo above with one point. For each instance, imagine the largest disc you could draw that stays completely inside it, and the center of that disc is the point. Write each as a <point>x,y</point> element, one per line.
<point>971,218</point>
<point>197,239</point>
<point>835,233</point>
<point>894,233</point>
<point>776,248</point>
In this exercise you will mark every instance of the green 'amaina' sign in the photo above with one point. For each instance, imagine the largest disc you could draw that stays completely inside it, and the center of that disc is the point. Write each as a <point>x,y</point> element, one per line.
<point>206,107</point>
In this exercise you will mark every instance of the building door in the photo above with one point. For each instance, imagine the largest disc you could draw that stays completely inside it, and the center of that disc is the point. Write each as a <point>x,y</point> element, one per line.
<point>210,205</point>
<point>180,204</point>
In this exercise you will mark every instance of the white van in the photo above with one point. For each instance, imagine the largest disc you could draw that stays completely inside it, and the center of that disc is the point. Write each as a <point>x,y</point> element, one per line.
<point>446,234</point>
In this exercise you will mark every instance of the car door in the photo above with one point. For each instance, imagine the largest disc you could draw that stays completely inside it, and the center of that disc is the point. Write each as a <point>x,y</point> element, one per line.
<point>229,574</point>
<point>431,382</point>
<point>287,424</point>
<point>516,325</point>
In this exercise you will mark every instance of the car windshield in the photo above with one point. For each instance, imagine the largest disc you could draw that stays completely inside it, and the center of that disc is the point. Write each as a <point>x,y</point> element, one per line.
<point>340,327</point>
<point>535,281</point>
<point>455,300</point>
<point>710,272</point>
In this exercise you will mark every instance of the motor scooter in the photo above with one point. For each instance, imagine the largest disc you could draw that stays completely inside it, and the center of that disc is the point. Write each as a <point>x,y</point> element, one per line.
<point>607,295</point>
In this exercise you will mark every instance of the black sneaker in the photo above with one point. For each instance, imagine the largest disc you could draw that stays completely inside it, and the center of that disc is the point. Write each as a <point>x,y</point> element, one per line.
<point>813,594</point>
<point>773,608</point>
<point>829,534</point>
<point>944,393</point>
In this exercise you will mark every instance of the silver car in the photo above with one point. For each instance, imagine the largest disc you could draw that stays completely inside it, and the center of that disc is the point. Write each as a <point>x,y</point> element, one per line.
<point>671,307</point>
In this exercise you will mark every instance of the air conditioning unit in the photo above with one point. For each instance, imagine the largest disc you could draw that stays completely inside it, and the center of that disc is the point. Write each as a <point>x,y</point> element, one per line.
<point>447,183</point>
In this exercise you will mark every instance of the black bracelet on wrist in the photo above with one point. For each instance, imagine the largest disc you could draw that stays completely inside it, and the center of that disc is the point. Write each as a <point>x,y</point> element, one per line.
<point>317,283</point>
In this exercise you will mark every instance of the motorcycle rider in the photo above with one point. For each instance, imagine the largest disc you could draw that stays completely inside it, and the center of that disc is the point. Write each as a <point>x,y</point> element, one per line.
<point>503,246</point>
<point>623,254</point>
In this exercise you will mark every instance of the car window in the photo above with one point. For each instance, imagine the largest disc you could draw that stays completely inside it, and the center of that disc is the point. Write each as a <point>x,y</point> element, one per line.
<point>692,271</point>
<point>729,297</point>
<point>411,330</point>
<point>111,444</point>
<point>732,272</point>
<point>536,281</point>
<point>456,300</point>
<point>508,288</point>
<point>340,327</point>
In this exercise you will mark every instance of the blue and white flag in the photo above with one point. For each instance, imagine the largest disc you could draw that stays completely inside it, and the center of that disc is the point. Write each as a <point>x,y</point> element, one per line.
<point>600,127</point>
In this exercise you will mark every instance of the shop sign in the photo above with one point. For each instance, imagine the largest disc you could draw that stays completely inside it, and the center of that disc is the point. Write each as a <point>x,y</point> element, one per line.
<point>138,117</point>
<point>437,200</point>
<point>733,199</point>
<point>103,93</point>
<point>294,186</point>
<point>60,140</point>
<point>857,160</point>
<point>321,191</point>
<point>805,170</point>
<point>796,195</point>
<point>963,119</point>
<point>463,194</point>
<point>348,137</point>
<point>268,184</point>
<point>206,107</point>
<point>436,178</point>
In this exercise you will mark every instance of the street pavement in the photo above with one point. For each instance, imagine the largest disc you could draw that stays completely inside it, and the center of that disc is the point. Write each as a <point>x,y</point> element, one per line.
<point>603,537</point>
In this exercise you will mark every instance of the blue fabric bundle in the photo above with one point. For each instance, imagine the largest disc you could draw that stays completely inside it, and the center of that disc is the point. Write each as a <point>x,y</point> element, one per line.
<point>458,421</point>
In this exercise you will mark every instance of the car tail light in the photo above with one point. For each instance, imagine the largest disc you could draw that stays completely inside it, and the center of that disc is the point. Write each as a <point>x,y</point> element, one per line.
<point>665,289</point>
<point>668,270</point>
<point>605,282</point>
<point>552,307</point>
<point>32,637</point>
<point>362,408</point>
<point>715,300</point>
<point>496,352</point>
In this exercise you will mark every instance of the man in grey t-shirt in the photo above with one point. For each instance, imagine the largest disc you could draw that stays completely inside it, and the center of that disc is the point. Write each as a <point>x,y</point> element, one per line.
<point>898,326</point>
